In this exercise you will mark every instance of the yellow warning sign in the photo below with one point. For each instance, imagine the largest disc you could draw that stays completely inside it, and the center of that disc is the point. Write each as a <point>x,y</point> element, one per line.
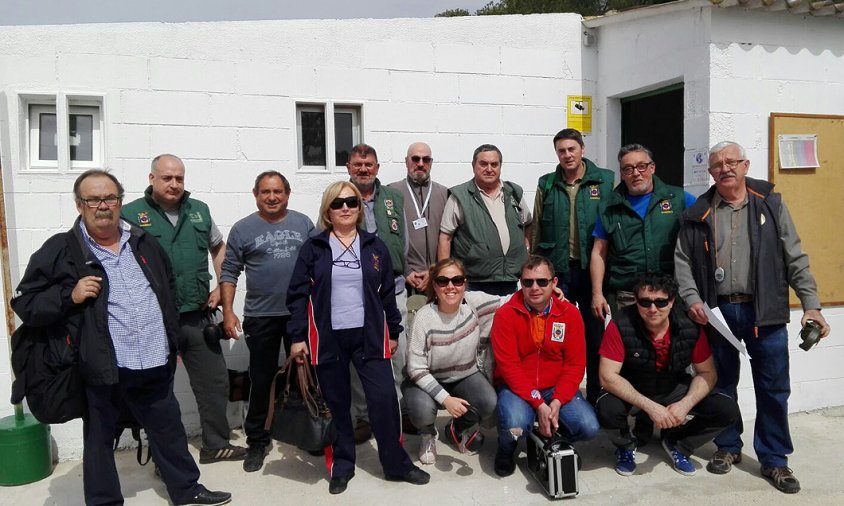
<point>579,113</point>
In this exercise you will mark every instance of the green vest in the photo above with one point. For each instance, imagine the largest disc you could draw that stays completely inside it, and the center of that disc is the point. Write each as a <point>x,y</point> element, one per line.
<point>595,186</point>
<point>186,244</point>
<point>389,220</point>
<point>476,242</point>
<point>637,246</point>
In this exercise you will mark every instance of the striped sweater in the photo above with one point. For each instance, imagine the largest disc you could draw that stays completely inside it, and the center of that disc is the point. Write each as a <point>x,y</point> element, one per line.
<point>443,347</point>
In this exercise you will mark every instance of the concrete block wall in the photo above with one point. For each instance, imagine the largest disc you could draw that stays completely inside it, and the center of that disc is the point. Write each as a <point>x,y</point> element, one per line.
<point>223,97</point>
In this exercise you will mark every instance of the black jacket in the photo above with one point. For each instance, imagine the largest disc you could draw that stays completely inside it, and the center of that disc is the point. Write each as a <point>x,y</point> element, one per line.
<point>43,297</point>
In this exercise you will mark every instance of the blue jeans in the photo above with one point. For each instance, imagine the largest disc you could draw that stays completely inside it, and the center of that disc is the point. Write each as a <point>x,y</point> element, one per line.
<point>577,418</point>
<point>771,384</point>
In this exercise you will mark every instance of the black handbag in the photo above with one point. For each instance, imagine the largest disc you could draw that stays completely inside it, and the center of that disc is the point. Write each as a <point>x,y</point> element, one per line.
<point>299,415</point>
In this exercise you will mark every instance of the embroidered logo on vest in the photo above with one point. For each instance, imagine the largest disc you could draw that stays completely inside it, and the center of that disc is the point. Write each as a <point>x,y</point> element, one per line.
<point>143,219</point>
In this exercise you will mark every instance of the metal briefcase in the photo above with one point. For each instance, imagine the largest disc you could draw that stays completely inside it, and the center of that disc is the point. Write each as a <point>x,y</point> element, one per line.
<point>554,463</point>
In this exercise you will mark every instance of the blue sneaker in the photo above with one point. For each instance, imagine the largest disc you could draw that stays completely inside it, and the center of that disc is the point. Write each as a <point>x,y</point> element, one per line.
<point>625,464</point>
<point>681,463</point>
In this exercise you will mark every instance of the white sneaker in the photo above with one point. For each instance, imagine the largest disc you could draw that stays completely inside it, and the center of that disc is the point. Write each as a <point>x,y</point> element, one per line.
<point>428,449</point>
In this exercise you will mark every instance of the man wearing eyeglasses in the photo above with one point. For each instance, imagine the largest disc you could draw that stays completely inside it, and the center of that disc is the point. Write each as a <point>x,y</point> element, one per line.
<point>485,225</point>
<point>118,301</point>
<point>424,201</point>
<point>645,354</point>
<point>635,231</point>
<point>185,229</point>
<point>564,213</point>
<point>739,251</point>
<point>540,357</point>
<point>266,245</point>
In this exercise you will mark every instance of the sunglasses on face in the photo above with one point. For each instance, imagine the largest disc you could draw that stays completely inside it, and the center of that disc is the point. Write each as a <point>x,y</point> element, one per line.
<point>457,281</point>
<point>659,303</point>
<point>542,282</point>
<point>351,202</point>
<point>424,159</point>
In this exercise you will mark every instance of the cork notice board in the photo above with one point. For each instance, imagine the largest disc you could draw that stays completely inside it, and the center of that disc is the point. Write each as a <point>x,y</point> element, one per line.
<point>815,197</point>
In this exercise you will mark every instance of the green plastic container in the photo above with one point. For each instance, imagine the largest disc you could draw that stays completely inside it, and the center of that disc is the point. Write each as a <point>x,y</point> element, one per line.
<point>24,450</point>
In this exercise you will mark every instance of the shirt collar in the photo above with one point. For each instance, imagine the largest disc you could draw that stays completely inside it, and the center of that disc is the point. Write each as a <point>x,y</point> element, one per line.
<point>125,227</point>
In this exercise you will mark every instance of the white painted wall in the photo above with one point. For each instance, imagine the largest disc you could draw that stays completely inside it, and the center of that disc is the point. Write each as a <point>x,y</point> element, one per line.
<point>222,96</point>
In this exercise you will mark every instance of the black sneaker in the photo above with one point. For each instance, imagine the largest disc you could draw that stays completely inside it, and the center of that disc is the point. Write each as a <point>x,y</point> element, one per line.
<point>338,484</point>
<point>208,498</point>
<point>415,476</point>
<point>254,460</point>
<point>782,478</point>
<point>228,452</point>
<point>722,462</point>
<point>505,462</point>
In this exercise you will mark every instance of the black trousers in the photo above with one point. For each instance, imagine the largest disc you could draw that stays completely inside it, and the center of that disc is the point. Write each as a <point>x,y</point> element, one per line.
<point>264,336</point>
<point>710,416</point>
<point>382,404</point>
<point>149,396</point>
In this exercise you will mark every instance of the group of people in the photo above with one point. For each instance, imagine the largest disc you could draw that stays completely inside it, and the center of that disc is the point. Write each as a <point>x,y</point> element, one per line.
<point>517,301</point>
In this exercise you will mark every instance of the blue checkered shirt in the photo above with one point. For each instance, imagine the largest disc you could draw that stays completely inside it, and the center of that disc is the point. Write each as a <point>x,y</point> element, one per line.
<point>135,321</point>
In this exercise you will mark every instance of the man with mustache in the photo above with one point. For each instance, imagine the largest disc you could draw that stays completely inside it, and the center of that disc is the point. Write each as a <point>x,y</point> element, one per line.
<point>120,306</point>
<point>424,201</point>
<point>184,227</point>
<point>738,250</point>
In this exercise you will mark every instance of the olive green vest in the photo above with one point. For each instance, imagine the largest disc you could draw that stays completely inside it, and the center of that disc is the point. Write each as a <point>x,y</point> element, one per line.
<point>389,219</point>
<point>476,241</point>
<point>637,245</point>
<point>595,186</point>
<point>186,244</point>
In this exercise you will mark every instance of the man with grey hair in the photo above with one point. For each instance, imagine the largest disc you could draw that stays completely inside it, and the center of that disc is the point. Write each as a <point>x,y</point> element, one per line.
<point>424,201</point>
<point>477,213</point>
<point>108,285</point>
<point>186,231</point>
<point>738,250</point>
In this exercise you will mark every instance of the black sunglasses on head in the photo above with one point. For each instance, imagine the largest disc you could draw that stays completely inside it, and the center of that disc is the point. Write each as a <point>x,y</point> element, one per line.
<point>457,281</point>
<point>528,282</point>
<point>659,303</point>
<point>351,202</point>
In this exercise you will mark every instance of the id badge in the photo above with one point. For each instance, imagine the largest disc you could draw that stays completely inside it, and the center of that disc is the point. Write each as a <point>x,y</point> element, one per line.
<point>420,223</point>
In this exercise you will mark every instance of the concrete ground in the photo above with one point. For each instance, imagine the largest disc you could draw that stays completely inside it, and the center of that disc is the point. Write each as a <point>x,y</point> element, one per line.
<point>291,476</point>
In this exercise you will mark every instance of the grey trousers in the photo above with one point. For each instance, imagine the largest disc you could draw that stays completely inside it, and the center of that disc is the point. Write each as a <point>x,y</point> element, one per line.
<point>359,411</point>
<point>209,379</point>
<point>422,408</point>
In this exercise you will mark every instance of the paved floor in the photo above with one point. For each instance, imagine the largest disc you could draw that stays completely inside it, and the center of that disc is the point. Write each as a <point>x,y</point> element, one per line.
<point>294,477</point>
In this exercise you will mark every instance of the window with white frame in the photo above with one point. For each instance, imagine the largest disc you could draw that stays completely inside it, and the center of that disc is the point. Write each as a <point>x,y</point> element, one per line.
<point>326,133</point>
<point>66,133</point>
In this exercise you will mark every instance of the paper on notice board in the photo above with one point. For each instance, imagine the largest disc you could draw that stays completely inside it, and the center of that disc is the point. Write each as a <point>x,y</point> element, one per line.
<point>716,319</point>
<point>798,151</point>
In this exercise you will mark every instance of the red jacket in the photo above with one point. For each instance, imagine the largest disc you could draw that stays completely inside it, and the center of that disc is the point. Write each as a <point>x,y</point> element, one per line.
<point>560,362</point>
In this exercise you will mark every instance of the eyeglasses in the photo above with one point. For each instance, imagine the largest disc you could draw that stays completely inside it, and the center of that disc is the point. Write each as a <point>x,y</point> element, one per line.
<point>728,164</point>
<point>542,282</point>
<point>639,167</point>
<point>94,203</point>
<point>348,264</point>
<point>457,281</point>
<point>351,202</point>
<point>659,303</point>
<point>424,159</point>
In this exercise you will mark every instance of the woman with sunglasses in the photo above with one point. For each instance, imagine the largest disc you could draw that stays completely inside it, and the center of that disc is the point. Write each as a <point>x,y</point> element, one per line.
<point>442,361</point>
<point>343,310</point>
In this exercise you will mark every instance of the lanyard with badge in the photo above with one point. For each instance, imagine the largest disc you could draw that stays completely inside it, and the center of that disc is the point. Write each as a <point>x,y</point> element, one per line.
<point>419,222</point>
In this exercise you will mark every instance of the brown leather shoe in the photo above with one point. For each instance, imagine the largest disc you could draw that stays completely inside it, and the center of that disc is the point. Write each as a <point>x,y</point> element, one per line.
<point>782,478</point>
<point>362,431</point>
<point>722,462</point>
